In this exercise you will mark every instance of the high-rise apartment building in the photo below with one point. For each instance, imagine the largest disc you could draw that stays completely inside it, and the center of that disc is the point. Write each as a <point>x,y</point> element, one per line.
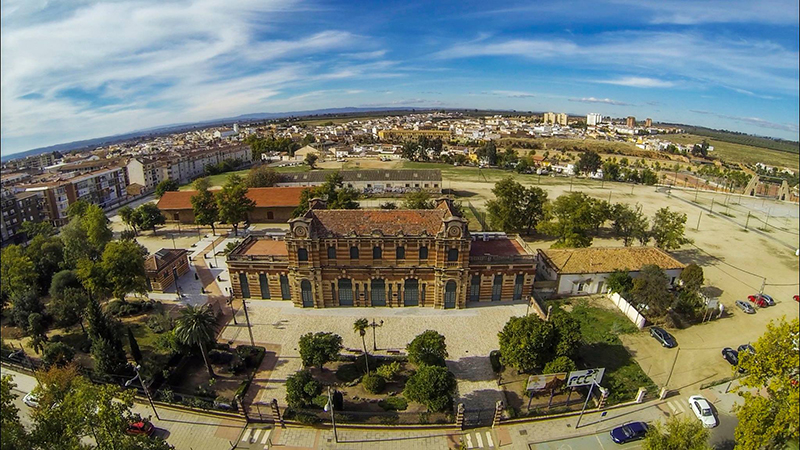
<point>593,119</point>
<point>648,122</point>
<point>561,119</point>
<point>630,122</point>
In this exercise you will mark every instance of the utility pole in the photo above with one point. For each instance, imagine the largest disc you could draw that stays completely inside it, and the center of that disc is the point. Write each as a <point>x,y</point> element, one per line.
<point>578,424</point>
<point>698,220</point>
<point>247,318</point>
<point>712,205</point>
<point>748,221</point>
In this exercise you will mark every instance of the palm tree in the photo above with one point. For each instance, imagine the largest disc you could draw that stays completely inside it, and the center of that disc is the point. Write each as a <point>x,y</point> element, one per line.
<point>196,326</point>
<point>360,326</point>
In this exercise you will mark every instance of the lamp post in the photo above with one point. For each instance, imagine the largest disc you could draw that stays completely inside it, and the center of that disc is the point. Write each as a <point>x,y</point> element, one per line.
<point>172,235</point>
<point>329,408</point>
<point>374,342</point>
<point>146,392</point>
<point>233,312</point>
<point>247,318</point>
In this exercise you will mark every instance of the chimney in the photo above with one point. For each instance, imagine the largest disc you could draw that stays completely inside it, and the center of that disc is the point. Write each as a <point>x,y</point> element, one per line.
<point>317,203</point>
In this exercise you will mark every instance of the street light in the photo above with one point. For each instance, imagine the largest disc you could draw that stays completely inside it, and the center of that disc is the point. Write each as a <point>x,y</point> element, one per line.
<point>329,407</point>
<point>146,392</point>
<point>375,325</point>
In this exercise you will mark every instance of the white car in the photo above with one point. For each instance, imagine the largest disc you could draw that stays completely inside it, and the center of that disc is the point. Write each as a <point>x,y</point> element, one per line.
<point>31,400</point>
<point>702,409</point>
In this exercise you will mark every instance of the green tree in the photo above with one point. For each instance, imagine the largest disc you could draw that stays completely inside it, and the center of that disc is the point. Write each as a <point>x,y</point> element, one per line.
<point>345,199</point>
<point>770,421</point>
<point>69,306</point>
<point>317,349</point>
<point>166,186</point>
<point>24,303</point>
<point>301,388</point>
<point>38,332</point>
<point>567,334</point>
<point>488,153</point>
<point>196,327</point>
<point>418,200</point>
<point>516,208</point>
<point>17,272</point>
<point>620,281</point>
<point>526,343</point>
<point>128,216</point>
<point>629,223</point>
<point>47,254</point>
<point>149,216</point>
<point>692,278</point>
<point>123,265</point>
<point>410,150</point>
<point>61,281</point>
<point>58,354</point>
<point>572,220</point>
<point>311,160</point>
<point>677,434</point>
<point>33,229</point>
<point>205,209</point>
<point>650,289</point>
<point>432,386</point>
<point>14,435</point>
<point>360,326</point>
<point>428,348</point>
<point>589,162</point>
<point>136,353</point>
<point>561,364</point>
<point>308,139</point>
<point>610,170</point>
<point>107,352</point>
<point>668,229</point>
<point>233,203</point>
<point>262,176</point>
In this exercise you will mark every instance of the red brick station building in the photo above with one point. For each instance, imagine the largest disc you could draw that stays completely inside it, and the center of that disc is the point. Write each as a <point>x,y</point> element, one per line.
<point>382,258</point>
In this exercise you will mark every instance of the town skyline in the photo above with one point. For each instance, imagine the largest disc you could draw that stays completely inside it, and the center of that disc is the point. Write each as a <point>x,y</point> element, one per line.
<point>727,67</point>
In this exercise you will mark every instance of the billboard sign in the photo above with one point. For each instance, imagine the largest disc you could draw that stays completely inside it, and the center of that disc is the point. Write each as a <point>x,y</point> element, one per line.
<point>545,382</point>
<point>585,377</point>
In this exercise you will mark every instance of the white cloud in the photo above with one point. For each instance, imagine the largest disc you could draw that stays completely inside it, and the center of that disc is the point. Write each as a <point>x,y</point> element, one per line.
<point>761,123</point>
<point>639,82</point>
<point>606,101</point>
<point>514,94</point>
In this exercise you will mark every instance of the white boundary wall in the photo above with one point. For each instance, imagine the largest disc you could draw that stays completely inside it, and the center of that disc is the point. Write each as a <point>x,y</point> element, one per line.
<point>627,309</point>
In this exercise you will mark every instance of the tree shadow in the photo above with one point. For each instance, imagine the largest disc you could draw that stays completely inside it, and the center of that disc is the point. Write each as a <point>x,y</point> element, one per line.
<point>727,444</point>
<point>472,368</point>
<point>693,255</point>
<point>711,291</point>
<point>481,399</point>
<point>463,193</point>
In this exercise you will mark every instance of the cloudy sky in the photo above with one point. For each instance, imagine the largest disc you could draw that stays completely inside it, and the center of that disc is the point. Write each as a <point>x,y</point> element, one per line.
<point>84,69</point>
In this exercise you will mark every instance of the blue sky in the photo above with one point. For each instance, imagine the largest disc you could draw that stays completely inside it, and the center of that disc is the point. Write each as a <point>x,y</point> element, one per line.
<point>84,69</point>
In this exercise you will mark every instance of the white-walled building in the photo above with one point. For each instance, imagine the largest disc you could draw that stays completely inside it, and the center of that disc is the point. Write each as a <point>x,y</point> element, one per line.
<point>593,119</point>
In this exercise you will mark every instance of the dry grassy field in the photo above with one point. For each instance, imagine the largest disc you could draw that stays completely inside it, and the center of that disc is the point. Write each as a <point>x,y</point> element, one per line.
<point>747,154</point>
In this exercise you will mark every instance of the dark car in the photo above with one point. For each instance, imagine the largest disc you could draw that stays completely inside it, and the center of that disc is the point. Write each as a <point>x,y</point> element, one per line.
<point>140,428</point>
<point>629,432</point>
<point>745,307</point>
<point>732,356</point>
<point>796,298</point>
<point>747,348</point>
<point>662,336</point>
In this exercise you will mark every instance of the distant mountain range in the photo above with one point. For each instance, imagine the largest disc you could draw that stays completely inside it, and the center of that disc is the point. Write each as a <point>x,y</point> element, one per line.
<point>183,127</point>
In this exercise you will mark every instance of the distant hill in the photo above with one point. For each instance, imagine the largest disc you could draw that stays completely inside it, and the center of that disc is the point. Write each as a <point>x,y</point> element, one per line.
<point>781,145</point>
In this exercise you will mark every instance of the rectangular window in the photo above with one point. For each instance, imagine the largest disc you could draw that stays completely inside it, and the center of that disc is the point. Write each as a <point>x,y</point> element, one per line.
<point>423,252</point>
<point>377,252</point>
<point>285,293</point>
<point>497,288</point>
<point>519,281</point>
<point>452,254</point>
<point>354,252</point>
<point>302,254</point>
<point>401,253</point>
<point>262,280</point>
<point>331,252</point>
<point>244,285</point>
<point>475,288</point>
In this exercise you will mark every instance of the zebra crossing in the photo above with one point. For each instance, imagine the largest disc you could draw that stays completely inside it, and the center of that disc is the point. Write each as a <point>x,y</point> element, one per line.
<point>677,406</point>
<point>478,439</point>
<point>256,438</point>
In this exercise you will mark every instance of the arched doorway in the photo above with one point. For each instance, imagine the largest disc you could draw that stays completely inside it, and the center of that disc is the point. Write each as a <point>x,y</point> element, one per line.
<point>305,290</point>
<point>411,292</point>
<point>377,291</point>
<point>450,295</point>
<point>345,292</point>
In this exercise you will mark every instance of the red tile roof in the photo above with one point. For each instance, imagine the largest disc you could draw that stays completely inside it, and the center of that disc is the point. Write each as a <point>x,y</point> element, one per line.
<point>267,247</point>
<point>342,222</point>
<point>263,197</point>
<point>496,247</point>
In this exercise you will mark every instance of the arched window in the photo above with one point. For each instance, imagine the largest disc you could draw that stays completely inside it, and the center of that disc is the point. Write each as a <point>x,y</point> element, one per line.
<point>401,253</point>
<point>377,252</point>
<point>423,252</point>
<point>302,254</point>
<point>354,252</point>
<point>452,254</point>
<point>331,252</point>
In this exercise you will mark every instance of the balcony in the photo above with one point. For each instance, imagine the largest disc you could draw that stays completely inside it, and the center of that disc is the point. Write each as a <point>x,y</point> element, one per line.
<point>503,259</point>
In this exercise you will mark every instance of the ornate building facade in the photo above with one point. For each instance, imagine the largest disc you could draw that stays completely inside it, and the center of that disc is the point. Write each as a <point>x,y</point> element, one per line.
<point>383,258</point>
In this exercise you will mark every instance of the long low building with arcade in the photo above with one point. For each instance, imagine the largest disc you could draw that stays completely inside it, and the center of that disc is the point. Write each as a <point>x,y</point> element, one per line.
<point>382,258</point>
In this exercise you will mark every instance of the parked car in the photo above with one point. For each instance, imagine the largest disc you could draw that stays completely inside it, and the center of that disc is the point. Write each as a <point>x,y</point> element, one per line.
<point>796,298</point>
<point>747,348</point>
<point>140,428</point>
<point>758,300</point>
<point>662,336</point>
<point>31,400</point>
<point>702,409</point>
<point>745,307</point>
<point>730,355</point>
<point>629,432</point>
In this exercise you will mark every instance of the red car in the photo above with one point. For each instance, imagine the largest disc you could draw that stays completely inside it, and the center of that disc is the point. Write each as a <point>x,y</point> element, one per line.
<point>796,298</point>
<point>758,300</point>
<point>141,428</point>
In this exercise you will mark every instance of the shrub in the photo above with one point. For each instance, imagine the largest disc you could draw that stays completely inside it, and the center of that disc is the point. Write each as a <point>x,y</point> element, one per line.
<point>427,348</point>
<point>348,373</point>
<point>58,353</point>
<point>160,323</point>
<point>561,364</point>
<point>220,357</point>
<point>252,356</point>
<point>389,371</point>
<point>301,388</point>
<point>396,403</point>
<point>433,386</point>
<point>242,389</point>
<point>494,359</point>
<point>373,383</point>
<point>306,418</point>
<point>319,348</point>
<point>320,401</point>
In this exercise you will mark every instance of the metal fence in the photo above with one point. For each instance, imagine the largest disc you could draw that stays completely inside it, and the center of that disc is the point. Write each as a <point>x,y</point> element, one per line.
<point>312,416</point>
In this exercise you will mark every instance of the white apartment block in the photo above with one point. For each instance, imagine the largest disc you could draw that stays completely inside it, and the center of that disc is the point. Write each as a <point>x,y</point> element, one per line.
<point>593,119</point>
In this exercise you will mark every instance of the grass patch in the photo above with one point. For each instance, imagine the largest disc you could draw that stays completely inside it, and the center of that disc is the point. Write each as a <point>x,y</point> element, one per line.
<point>394,404</point>
<point>348,373</point>
<point>747,154</point>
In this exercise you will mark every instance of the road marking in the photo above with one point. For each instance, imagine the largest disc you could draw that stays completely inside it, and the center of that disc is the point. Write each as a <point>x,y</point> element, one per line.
<point>599,442</point>
<point>255,435</point>
<point>489,441</point>
<point>469,441</point>
<point>676,407</point>
<point>266,435</point>
<point>246,436</point>
<point>479,439</point>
